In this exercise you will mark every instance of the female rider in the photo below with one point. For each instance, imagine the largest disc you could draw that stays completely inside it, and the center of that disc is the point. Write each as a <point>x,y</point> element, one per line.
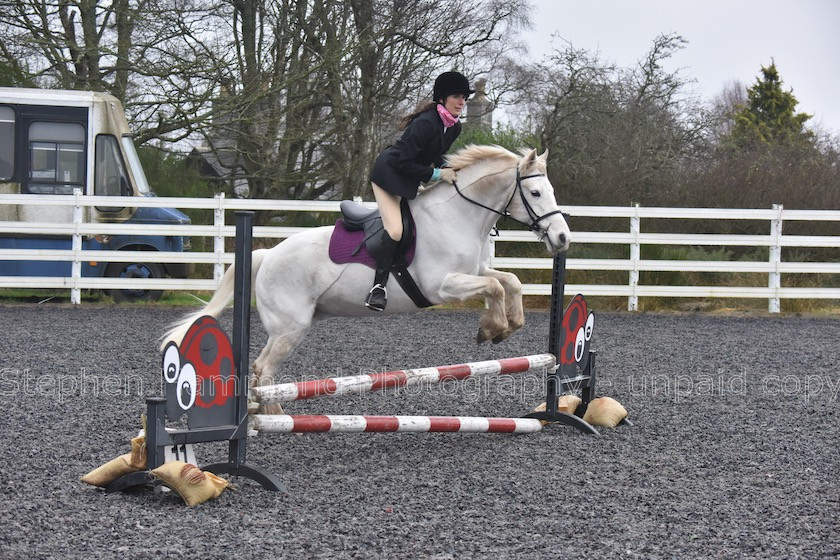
<point>416,158</point>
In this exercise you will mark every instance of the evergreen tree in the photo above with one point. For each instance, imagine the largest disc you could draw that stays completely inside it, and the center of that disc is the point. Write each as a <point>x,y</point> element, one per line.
<point>770,114</point>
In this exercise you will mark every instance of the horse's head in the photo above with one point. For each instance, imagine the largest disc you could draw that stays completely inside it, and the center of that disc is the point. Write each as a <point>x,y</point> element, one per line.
<point>528,200</point>
<point>533,202</point>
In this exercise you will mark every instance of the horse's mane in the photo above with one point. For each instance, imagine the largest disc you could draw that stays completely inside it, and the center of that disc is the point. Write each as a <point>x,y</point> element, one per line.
<point>471,154</point>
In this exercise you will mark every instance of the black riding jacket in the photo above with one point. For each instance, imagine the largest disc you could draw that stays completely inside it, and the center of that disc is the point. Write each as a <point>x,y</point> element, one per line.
<point>401,167</point>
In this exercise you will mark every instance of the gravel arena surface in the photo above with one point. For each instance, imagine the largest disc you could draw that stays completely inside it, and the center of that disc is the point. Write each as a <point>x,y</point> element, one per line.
<point>734,451</point>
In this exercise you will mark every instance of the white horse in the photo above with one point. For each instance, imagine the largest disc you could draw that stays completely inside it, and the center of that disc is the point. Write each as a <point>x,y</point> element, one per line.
<point>296,284</point>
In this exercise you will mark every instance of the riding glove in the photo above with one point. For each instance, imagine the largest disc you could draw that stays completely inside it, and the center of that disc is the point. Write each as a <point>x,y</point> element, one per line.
<point>447,174</point>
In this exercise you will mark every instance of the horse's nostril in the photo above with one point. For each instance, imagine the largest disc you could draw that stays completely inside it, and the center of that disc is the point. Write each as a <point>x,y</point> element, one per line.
<point>562,239</point>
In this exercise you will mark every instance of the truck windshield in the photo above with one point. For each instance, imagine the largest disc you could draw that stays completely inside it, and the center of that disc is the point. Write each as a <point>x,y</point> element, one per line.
<point>134,164</point>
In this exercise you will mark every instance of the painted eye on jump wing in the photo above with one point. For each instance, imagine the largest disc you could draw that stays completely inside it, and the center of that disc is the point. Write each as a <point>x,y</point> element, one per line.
<point>171,363</point>
<point>590,324</point>
<point>580,344</point>
<point>186,387</point>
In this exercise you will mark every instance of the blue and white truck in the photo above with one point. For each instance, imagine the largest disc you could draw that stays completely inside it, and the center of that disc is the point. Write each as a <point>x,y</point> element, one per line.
<point>53,142</point>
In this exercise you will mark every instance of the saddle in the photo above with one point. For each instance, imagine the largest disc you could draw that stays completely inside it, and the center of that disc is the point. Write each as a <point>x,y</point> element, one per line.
<point>357,238</point>
<point>355,217</point>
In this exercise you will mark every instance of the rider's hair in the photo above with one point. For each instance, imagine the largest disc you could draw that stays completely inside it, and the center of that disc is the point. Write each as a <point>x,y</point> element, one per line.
<point>406,120</point>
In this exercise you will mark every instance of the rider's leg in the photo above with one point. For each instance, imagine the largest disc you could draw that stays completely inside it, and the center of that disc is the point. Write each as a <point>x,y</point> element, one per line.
<point>389,209</point>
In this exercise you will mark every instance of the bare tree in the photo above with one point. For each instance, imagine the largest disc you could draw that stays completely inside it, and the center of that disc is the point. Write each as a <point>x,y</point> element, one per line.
<point>723,108</point>
<point>318,86</point>
<point>617,135</point>
<point>137,50</point>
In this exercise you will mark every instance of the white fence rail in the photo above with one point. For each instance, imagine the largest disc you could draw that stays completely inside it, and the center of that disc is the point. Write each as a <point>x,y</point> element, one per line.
<point>774,267</point>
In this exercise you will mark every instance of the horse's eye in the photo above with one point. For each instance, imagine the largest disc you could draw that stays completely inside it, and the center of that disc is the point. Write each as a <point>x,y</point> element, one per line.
<point>535,194</point>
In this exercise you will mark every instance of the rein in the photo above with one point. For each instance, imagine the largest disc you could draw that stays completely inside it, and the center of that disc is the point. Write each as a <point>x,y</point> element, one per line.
<point>535,218</point>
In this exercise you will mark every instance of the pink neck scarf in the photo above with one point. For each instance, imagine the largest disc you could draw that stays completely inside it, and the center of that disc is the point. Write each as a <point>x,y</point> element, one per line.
<point>448,118</point>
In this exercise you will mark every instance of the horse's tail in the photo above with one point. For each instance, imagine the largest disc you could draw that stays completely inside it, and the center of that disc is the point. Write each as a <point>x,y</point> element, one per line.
<point>216,304</point>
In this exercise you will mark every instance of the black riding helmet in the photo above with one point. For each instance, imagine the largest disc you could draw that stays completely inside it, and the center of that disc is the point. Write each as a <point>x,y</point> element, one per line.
<point>450,83</point>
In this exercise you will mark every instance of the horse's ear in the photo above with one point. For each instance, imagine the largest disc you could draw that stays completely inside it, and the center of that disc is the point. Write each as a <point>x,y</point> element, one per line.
<point>528,159</point>
<point>544,156</point>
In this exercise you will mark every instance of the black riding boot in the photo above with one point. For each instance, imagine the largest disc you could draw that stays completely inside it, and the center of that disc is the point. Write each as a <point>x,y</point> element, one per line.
<point>378,296</point>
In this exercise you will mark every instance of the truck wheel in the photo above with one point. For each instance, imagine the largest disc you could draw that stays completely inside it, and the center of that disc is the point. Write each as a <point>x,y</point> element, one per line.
<point>134,270</point>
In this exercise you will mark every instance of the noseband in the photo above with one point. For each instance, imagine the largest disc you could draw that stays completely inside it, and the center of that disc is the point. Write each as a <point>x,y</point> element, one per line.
<point>505,213</point>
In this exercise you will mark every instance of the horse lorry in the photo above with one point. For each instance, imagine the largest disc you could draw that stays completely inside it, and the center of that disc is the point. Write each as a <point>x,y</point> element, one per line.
<point>53,142</point>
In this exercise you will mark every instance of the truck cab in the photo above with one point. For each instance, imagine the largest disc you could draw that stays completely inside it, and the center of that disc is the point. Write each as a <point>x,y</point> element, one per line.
<point>53,142</point>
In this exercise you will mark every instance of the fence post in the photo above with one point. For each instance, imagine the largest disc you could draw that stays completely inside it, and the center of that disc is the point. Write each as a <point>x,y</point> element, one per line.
<point>219,239</point>
<point>775,277</point>
<point>635,255</point>
<point>492,255</point>
<point>490,263</point>
<point>76,266</point>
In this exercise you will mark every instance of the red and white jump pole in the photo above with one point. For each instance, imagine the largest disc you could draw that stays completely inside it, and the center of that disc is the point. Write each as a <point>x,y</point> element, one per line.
<point>284,423</point>
<point>336,386</point>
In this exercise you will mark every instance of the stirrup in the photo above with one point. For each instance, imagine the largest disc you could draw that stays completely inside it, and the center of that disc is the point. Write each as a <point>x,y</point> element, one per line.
<point>373,298</point>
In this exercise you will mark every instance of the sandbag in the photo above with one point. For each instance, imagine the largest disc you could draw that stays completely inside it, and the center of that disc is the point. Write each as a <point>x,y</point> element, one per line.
<point>192,484</point>
<point>104,475</point>
<point>605,411</point>
<point>138,453</point>
<point>565,403</point>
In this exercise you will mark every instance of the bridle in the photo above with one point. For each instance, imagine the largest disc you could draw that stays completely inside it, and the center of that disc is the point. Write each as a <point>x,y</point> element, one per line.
<point>504,213</point>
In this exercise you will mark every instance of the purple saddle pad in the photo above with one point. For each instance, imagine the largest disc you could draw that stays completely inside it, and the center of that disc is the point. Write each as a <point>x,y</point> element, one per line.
<point>349,247</point>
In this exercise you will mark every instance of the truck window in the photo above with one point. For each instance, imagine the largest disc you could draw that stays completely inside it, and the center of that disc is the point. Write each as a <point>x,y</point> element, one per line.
<point>134,163</point>
<point>110,176</point>
<point>56,158</point>
<point>7,143</point>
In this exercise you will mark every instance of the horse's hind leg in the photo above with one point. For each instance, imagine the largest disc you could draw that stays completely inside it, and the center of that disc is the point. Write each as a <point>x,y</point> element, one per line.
<point>279,345</point>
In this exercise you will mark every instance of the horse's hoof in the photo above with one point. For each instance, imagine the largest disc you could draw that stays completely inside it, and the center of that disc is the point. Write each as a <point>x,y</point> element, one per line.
<point>500,337</point>
<point>481,337</point>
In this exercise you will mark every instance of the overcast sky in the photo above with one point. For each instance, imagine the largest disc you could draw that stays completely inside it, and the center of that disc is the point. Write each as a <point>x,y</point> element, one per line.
<point>727,41</point>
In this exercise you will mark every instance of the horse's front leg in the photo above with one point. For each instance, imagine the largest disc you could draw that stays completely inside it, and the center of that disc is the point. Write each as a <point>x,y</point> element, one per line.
<point>513,300</point>
<point>460,287</point>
